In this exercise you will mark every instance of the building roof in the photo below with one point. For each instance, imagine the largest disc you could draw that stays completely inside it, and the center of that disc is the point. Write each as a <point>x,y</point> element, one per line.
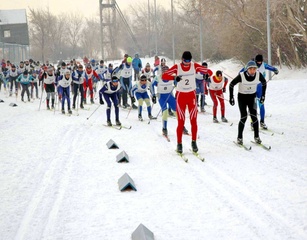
<point>14,16</point>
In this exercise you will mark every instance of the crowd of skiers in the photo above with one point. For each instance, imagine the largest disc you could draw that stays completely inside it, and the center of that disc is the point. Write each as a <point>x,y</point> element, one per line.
<point>130,80</point>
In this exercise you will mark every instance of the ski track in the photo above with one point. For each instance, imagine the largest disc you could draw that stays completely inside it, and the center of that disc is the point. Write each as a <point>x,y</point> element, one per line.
<point>49,185</point>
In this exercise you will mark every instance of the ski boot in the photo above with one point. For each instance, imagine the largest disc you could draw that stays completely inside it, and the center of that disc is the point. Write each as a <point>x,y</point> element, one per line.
<point>118,123</point>
<point>263,126</point>
<point>134,106</point>
<point>194,146</point>
<point>140,117</point>
<point>215,120</point>
<point>224,119</point>
<point>92,101</point>
<point>164,131</point>
<point>109,123</point>
<point>47,102</point>
<point>170,113</point>
<point>179,148</point>
<point>257,140</point>
<point>63,111</point>
<point>240,141</point>
<point>81,106</point>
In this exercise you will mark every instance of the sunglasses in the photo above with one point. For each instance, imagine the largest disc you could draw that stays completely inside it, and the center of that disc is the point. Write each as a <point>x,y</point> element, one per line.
<point>186,60</point>
<point>115,81</point>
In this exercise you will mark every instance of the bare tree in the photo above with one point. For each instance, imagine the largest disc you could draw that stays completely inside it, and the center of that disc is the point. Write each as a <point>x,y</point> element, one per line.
<point>74,29</point>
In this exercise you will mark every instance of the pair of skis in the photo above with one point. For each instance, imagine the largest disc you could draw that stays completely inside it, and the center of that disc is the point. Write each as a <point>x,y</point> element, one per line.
<point>185,158</point>
<point>118,127</point>
<point>248,147</point>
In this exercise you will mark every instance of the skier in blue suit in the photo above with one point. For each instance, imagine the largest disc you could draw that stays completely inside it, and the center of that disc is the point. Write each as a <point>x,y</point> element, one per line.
<point>262,67</point>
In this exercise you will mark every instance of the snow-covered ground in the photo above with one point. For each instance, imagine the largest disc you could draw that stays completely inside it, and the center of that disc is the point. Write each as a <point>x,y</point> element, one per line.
<point>60,181</point>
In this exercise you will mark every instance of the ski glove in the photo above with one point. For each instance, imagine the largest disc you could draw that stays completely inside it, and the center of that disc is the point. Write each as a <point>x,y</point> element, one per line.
<point>133,99</point>
<point>154,99</point>
<point>206,76</point>
<point>224,90</point>
<point>276,71</point>
<point>231,101</point>
<point>262,99</point>
<point>178,78</point>
<point>101,101</point>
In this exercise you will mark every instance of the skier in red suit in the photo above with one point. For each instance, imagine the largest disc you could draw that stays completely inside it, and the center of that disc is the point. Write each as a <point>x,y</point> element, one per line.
<point>89,83</point>
<point>185,81</point>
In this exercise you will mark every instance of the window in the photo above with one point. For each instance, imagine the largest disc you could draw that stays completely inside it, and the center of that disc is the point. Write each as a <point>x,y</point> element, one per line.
<point>7,33</point>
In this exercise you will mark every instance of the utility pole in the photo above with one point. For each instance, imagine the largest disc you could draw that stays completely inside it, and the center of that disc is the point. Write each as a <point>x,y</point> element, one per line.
<point>269,37</point>
<point>173,29</point>
<point>201,33</point>
<point>156,33</point>
<point>101,30</point>
<point>149,47</point>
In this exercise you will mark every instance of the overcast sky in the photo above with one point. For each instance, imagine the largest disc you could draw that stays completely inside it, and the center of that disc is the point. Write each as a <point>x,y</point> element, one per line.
<point>86,7</point>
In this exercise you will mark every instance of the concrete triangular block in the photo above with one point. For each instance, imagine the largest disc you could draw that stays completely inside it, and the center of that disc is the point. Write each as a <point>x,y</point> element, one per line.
<point>111,144</point>
<point>122,157</point>
<point>1,101</point>
<point>126,183</point>
<point>13,104</point>
<point>142,233</point>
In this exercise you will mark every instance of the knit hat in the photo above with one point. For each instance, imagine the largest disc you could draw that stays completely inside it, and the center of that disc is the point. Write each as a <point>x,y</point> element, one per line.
<point>251,64</point>
<point>143,76</point>
<point>204,64</point>
<point>259,58</point>
<point>187,55</point>
<point>114,78</point>
<point>129,59</point>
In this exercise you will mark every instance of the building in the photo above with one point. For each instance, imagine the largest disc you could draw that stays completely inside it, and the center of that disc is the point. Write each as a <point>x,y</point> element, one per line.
<point>14,35</point>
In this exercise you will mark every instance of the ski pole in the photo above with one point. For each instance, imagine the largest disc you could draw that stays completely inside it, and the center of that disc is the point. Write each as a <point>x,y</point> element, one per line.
<point>55,103</point>
<point>228,75</point>
<point>93,112</point>
<point>221,97</point>
<point>40,102</point>
<point>170,93</point>
<point>129,110</point>
<point>77,92</point>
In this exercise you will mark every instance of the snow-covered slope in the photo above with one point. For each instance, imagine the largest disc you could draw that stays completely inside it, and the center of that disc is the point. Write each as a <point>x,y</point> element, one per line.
<point>59,179</point>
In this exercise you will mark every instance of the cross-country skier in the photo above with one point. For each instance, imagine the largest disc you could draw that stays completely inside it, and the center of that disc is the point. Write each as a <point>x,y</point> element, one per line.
<point>141,94</point>
<point>164,94</point>
<point>248,81</point>
<point>110,91</point>
<point>262,66</point>
<point>200,87</point>
<point>217,86</point>
<point>184,76</point>
<point>78,77</point>
<point>88,83</point>
<point>64,83</point>
<point>25,80</point>
<point>49,79</point>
